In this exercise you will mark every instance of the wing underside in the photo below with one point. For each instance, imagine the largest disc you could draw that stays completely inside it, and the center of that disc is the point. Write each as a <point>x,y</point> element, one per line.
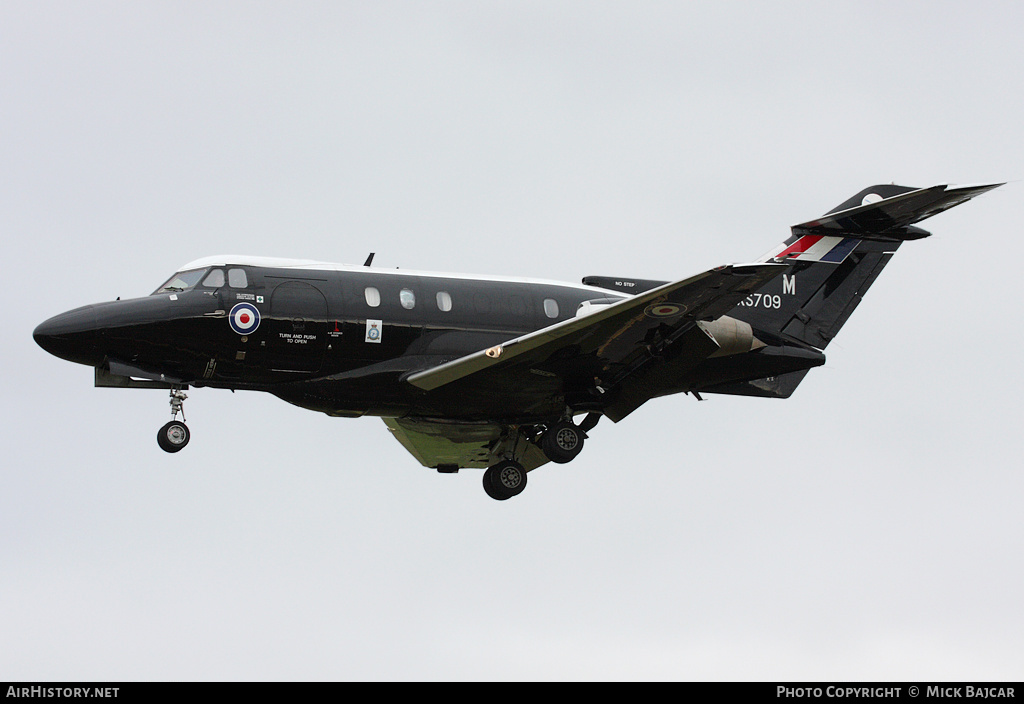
<point>454,445</point>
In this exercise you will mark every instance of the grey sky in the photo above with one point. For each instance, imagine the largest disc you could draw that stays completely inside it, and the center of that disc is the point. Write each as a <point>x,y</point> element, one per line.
<point>867,528</point>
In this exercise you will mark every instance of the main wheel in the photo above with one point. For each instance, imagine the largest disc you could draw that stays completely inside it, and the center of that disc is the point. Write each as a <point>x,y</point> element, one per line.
<point>562,442</point>
<point>173,436</point>
<point>504,480</point>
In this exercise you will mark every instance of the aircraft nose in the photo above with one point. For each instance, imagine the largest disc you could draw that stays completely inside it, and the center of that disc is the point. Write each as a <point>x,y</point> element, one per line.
<point>71,336</point>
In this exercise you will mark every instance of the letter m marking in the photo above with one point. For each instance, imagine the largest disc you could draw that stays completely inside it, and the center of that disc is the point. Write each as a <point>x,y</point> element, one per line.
<point>789,284</point>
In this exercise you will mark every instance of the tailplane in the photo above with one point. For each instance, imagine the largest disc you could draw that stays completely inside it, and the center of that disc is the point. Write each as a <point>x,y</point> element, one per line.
<point>833,260</point>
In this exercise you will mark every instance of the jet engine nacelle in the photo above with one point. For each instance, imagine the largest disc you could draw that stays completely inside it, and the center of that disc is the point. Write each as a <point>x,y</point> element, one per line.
<point>733,336</point>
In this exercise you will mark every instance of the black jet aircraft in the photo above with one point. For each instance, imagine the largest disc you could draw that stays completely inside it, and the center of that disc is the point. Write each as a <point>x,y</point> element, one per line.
<point>491,372</point>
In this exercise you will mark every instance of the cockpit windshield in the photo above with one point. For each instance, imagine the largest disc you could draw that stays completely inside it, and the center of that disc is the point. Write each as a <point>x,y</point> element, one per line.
<point>182,281</point>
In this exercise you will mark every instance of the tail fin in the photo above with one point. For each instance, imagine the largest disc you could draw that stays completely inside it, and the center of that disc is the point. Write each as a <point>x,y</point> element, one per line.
<point>835,259</point>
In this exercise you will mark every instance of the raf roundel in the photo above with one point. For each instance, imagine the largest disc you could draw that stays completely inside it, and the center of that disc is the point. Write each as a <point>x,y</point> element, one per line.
<point>244,318</point>
<point>665,310</point>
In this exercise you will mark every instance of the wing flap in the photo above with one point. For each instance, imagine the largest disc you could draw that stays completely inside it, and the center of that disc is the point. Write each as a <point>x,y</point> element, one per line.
<point>612,332</point>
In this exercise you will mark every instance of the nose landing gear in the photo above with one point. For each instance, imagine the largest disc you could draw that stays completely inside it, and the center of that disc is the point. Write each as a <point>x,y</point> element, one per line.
<point>173,436</point>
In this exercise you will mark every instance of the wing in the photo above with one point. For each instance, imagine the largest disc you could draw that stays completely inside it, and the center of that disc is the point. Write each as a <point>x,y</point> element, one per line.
<point>614,339</point>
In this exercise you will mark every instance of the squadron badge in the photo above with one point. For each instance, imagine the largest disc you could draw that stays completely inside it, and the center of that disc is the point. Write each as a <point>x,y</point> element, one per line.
<point>373,330</point>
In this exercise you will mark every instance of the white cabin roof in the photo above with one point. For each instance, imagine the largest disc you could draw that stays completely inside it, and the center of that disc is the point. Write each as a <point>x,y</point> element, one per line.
<point>313,265</point>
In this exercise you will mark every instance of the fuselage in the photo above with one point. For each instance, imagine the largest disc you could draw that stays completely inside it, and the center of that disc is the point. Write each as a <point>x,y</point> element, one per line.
<point>492,372</point>
<point>328,337</point>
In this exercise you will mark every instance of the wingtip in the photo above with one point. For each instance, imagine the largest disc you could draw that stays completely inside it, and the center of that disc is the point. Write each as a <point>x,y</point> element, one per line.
<point>977,187</point>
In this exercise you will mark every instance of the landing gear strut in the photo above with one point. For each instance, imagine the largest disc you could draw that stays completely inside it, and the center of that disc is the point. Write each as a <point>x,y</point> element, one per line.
<point>174,435</point>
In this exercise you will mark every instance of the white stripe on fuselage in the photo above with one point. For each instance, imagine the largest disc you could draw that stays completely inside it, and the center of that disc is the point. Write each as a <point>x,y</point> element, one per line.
<point>227,260</point>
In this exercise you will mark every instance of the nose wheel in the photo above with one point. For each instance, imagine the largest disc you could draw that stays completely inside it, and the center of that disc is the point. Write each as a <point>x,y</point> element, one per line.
<point>173,436</point>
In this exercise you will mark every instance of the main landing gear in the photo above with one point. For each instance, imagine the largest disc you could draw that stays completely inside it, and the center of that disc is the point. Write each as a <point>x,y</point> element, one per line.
<point>560,442</point>
<point>504,480</point>
<point>174,435</point>
<point>563,440</point>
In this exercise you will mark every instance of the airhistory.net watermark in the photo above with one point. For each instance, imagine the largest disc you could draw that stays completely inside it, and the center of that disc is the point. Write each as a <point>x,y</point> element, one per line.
<point>62,692</point>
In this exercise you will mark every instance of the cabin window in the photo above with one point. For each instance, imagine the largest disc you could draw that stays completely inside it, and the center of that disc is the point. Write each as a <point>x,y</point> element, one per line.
<point>372,296</point>
<point>551,307</point>
<point>237,278</point>
<point>444,301</point>
<point>215,279</point>
<point>408,298</point>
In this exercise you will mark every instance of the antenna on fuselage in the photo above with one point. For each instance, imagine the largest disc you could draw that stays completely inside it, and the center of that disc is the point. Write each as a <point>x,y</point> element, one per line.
<point>369,259</point>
